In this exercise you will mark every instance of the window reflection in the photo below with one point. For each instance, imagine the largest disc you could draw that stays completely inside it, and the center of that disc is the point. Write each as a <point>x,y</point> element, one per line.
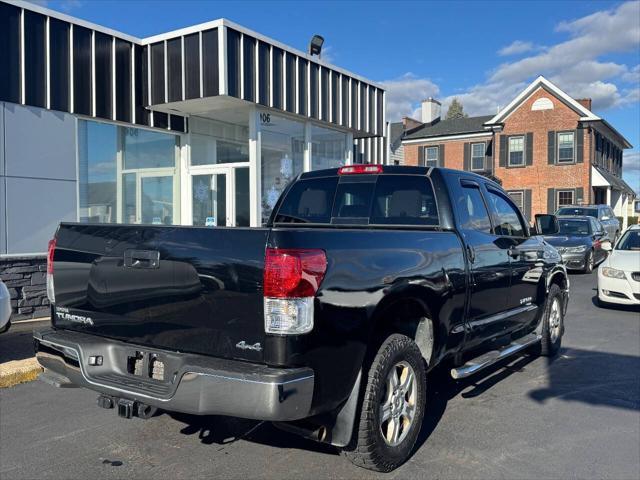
<point>97,165</point>
<point>328,149</point>
<point>127,175</point>
<point>282,158</point>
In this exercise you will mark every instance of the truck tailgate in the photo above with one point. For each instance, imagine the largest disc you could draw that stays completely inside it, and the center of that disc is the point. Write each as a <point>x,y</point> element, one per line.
<point>180,288</point>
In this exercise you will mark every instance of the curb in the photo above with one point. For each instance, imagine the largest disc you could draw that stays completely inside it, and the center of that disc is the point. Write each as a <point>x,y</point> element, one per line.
<point>19,371</point>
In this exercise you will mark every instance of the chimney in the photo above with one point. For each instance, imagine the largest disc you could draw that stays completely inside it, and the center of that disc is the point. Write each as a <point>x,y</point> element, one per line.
<point>431,110</point>
<point>408,123</point>
<point>585,102</point>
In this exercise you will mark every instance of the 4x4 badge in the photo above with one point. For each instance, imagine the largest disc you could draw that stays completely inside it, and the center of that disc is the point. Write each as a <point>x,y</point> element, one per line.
<point>245,346</point>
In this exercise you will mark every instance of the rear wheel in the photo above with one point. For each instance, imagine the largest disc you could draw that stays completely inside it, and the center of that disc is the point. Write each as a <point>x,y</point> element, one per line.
<point>392,408</point>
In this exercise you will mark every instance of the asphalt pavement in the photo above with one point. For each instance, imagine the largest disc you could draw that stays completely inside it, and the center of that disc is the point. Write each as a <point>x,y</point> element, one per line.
<point>577,416</point>
<point>17,343</point>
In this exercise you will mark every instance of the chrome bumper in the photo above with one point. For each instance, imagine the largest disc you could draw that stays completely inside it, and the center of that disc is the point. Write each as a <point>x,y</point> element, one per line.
<point>194,384</point>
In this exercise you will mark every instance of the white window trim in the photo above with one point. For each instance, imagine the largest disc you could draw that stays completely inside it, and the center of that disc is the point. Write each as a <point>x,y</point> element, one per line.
<point>573,149</point>
<point>573,199</point>
<point>484,149</point>
<point>521,192</point>
<point>524,151</point>
<point>426,159</point>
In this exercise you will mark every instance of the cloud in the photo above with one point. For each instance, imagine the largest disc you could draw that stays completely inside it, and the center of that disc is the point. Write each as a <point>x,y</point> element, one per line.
<point>516,47</point>
<point>576,65</point>
<point>405,93</point>
<point>328,54</point>
<point>631,169</point>
<point>633,75</point>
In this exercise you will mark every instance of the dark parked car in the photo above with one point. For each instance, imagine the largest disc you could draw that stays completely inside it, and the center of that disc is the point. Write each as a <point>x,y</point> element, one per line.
<point>326,321</point>
<point>602,213</point>
<point>579,241</point>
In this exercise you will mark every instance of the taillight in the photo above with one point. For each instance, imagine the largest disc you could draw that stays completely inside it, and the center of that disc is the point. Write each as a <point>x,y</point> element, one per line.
<point>359,169</point>
<point>291,279</point>
<point>50,252</point>
<point>50,286</point>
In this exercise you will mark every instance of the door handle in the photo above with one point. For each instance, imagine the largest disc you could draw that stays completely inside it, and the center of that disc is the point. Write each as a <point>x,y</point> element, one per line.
<point>142,259</point>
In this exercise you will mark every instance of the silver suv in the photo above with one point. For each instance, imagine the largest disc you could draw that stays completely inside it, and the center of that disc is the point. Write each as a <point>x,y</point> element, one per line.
<point>602,212</point>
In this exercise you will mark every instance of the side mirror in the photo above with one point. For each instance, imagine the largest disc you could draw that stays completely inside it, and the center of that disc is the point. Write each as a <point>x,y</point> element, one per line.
<point>605,217</point>
<point>547,224</point>
<point>606,245</point>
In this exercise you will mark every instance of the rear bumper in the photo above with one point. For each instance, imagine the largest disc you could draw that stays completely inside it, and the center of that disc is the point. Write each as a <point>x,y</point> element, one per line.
<point>194,384</point>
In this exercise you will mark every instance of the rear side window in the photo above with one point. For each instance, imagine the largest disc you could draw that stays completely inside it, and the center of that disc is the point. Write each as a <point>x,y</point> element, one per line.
<point>383,200</point>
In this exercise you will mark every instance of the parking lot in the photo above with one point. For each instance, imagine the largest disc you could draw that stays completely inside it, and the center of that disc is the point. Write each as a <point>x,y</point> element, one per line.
<point>577,417</point>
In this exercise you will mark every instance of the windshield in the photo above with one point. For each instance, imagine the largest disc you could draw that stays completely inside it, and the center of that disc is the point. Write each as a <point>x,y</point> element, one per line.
<point>629,241</point>
<point>574,227</point>
<point>588,212</point>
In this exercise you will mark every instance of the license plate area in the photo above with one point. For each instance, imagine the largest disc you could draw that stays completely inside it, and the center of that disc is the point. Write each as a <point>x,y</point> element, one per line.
<point>146,365</point>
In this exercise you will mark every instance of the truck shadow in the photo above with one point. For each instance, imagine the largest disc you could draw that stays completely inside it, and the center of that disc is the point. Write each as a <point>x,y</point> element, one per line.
<point>219,430</point>
<point>576,375</point>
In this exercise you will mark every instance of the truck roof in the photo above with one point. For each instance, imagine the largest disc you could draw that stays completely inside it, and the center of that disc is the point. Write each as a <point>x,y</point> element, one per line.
<point>400,170</point>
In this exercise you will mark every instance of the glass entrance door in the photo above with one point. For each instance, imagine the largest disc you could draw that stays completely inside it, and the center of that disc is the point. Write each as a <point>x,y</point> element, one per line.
<point>148,198</point>
<point>220,197</point>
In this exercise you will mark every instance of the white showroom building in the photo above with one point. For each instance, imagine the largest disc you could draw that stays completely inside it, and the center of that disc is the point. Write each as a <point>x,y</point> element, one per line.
<point>199,126</point>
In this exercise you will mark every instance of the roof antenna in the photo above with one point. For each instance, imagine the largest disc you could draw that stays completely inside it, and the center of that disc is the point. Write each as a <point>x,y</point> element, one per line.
<point>315,45</point>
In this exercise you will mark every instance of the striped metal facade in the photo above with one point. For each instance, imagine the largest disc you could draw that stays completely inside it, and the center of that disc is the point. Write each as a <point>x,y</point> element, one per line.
<point>53,61</point>
<point>226,59</point>
<point>57,64</point>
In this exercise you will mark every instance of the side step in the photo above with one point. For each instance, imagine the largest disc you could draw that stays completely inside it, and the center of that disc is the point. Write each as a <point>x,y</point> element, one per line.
<point>487,359</point>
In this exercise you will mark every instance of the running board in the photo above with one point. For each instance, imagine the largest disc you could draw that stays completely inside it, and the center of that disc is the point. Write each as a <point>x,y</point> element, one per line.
<point>494,356</point>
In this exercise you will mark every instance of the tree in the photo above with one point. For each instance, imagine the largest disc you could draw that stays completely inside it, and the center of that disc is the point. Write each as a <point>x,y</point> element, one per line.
<point>456,110</point>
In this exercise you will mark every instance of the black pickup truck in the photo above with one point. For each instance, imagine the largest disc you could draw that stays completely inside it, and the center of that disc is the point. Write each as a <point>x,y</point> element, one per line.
<point>325,322</point>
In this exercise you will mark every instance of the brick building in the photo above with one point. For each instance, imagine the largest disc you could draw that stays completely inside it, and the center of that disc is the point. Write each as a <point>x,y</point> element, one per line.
<point>545,148</point>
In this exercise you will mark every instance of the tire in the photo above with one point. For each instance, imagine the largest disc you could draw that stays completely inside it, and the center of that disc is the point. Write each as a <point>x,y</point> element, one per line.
<point>552,334</point>
<point>6,327</point>
<point>369,448</point>
<point>588,263</point>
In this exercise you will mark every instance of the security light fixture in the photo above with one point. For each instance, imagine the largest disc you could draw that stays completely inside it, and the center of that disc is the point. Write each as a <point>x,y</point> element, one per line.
<point>315,45</point>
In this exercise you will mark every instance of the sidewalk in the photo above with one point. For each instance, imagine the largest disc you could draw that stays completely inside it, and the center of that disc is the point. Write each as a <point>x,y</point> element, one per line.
<point>17,363</point>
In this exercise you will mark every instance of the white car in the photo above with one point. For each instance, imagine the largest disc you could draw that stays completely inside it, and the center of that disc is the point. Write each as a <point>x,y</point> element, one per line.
<point>5,308</point>
<point>619,274</point>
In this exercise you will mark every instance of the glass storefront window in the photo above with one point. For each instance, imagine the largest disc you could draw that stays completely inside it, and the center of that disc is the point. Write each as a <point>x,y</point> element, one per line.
<point>127,175</point>
<point>214,142</point>
<point>328,148</point>
<point>97,165</point>
<point>145,149</point>
<point>282,158</point>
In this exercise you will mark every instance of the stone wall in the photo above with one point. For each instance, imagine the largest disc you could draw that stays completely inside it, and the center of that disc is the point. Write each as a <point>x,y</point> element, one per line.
<point>25,277</point>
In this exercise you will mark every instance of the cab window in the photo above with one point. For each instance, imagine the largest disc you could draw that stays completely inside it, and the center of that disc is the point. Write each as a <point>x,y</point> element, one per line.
<point>472,209</point>
<point>506,219</point>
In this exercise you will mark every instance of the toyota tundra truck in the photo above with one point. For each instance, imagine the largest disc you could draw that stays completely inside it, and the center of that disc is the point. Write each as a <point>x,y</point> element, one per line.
<point>326,321</point>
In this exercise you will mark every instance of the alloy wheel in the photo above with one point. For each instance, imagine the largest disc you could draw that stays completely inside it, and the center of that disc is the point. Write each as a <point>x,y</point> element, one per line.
<point>398,406</point>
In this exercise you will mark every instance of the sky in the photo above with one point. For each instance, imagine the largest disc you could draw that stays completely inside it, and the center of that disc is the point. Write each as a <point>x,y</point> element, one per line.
<point>482,52</point>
